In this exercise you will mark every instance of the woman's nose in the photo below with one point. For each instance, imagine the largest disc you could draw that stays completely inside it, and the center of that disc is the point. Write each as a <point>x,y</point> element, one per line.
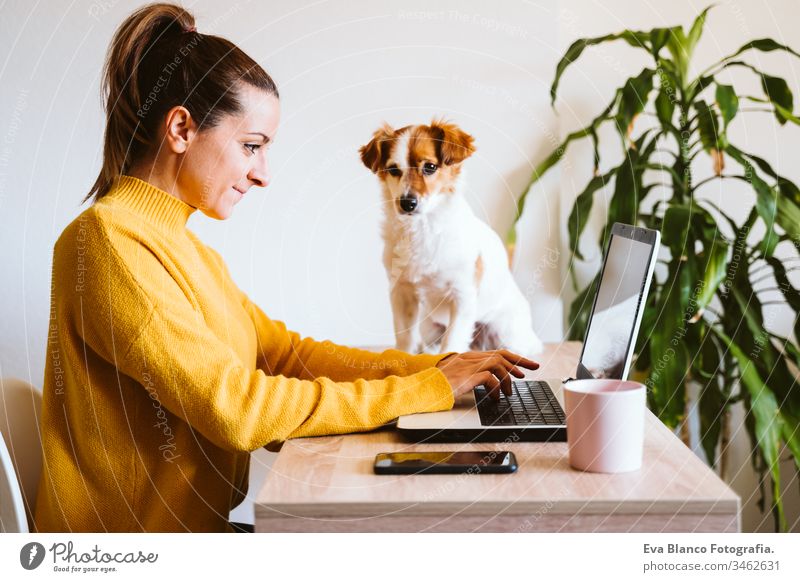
<point>259,173</point>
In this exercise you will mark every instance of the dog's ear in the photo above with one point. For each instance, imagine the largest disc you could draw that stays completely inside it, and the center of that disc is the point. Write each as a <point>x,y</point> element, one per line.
<point>455,145</point>
<point>373,155</point>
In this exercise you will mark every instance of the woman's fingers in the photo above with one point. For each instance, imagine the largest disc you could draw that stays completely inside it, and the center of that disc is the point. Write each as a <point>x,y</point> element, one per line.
<point>491,359</point>
<point>510,367</point>
<point>509,357</point>
<point>494,370</point>
<point>489,382</point>
<point>501,373</point>
<point>519,360</point>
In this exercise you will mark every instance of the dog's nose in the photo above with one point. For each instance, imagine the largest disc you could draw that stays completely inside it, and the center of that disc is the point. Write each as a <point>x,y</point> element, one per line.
<point>408,203</point>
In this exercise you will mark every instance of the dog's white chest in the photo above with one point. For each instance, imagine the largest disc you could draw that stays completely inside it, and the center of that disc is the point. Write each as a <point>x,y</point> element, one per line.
<point>417,256</point>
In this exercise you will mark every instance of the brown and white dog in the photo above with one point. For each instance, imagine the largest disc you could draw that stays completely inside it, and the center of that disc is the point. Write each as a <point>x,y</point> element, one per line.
<point>451,287</point>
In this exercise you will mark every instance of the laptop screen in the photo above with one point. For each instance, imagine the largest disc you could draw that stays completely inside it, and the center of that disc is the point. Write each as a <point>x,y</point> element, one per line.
<point>614,319</point>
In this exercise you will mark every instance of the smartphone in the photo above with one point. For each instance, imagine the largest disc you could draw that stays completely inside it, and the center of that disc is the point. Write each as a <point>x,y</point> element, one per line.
<point>449,462</point>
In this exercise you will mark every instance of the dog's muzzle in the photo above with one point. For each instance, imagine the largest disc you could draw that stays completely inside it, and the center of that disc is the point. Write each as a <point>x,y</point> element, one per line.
<point>408,203</point>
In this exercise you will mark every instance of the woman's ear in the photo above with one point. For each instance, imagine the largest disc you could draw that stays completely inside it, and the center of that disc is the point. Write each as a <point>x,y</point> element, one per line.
<point>373,155</point>
<point>456,145</point>
<point>180,129</point>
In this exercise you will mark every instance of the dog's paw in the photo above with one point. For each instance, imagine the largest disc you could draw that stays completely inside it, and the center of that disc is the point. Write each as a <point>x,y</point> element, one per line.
<point>424,348</point>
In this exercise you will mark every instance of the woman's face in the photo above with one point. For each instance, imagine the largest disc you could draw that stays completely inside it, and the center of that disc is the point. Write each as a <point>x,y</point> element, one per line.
<point>223,162</point>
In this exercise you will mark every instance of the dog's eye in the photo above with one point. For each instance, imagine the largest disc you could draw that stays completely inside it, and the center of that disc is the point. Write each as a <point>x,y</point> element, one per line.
<point>395,171</point>
<point>428,168</point>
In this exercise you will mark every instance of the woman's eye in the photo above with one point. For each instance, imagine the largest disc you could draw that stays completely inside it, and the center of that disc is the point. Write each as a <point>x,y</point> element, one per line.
<point>252,147</point>
<point>395,171</point>
<point>428,168</point>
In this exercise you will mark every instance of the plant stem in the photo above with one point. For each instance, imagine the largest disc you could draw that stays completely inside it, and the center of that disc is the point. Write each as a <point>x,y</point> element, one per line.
<point>663,151</point>
<point>714,177</point>
<point>725,439</point>
<point>686,436</point>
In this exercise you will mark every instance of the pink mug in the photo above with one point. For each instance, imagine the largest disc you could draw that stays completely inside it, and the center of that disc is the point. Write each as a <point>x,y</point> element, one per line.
<point>605,425</point>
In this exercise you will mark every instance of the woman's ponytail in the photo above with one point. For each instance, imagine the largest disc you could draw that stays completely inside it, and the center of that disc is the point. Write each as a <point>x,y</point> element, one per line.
<point>158,60</point>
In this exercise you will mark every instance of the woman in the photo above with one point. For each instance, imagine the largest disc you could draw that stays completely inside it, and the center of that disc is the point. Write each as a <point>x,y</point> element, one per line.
<point>162,375</point>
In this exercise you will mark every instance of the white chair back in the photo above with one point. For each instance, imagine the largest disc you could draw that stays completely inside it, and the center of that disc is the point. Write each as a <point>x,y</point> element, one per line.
<point>12,508</point>
<point>21,453</point>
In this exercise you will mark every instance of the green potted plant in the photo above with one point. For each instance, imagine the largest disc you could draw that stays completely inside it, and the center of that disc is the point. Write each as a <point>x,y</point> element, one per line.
<point>704,319</point>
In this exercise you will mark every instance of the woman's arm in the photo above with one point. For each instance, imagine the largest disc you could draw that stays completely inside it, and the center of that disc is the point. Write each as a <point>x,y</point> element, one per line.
<point>144,324</point>
<point>281,351</point>
<point>306,358</point>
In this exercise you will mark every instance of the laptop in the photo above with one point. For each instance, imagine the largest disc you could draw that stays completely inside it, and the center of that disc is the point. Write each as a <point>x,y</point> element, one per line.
<point>535,410</point>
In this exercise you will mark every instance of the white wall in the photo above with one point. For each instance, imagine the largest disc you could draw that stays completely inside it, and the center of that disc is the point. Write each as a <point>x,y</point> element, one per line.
<point>308,248</point>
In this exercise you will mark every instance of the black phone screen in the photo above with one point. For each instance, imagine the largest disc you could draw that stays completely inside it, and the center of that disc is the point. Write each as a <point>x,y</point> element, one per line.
<point>446,462</point>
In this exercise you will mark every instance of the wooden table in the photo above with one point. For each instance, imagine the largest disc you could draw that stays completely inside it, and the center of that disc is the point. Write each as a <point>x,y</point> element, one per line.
<point>326,484</point>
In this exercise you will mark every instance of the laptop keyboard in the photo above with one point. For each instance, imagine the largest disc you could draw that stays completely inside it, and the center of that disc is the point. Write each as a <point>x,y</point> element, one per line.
<point>531,402</point>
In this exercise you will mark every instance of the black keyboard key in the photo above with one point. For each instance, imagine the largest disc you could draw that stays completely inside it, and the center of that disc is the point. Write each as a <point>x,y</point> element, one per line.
<point>531,402</point>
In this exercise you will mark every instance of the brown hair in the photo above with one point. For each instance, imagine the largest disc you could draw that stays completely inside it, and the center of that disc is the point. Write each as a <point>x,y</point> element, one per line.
<point>158,60</point>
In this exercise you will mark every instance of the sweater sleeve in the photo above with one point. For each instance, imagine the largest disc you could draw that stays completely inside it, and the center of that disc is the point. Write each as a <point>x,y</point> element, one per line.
<point>281,351</point>
<point>284,351</point>
<point>144,324</point>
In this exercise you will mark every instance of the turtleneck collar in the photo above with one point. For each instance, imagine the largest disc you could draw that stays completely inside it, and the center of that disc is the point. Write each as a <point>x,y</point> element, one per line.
<point>159,207</point>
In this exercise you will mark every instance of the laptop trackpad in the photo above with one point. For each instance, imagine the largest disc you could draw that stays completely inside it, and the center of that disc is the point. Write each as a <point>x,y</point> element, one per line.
<point>464,414</point>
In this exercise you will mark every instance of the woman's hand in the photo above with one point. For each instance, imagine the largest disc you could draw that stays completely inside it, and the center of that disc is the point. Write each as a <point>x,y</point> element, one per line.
<point>492,369</point>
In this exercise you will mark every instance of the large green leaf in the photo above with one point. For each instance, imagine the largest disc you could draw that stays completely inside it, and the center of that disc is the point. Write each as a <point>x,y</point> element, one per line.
<point>712,408</point>
<point>778,92</point>
<point>697,86</point>
<point>788,201</point>
<point>766,200</point>
<point>768,420</point>
<point>675,231</point>
<point>649,318</point>
<point>788,216</point>
<point>634,97</point>
<point>581,209</point>
<point>665,106</point>
<point>683,227</point>
<point>708,126</point>
<point>791,434</point>
<point>580,310</point>
<point>628,187</point>
<point>623,204</point>
<point>677,46</point>
<point>762,44</point>
<point>746,326</point>
<point>696,31</point>
<point>728,103</point>
<point>716,268</point>
<point>658,38</point>
<point>750,332</point>
<point>669,361</point>
<point>790,294</point>
<point>786,187</point>
<point>634,38</point>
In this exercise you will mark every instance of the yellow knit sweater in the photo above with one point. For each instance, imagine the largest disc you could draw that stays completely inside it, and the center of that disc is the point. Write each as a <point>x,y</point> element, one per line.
<point>162,376</point>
